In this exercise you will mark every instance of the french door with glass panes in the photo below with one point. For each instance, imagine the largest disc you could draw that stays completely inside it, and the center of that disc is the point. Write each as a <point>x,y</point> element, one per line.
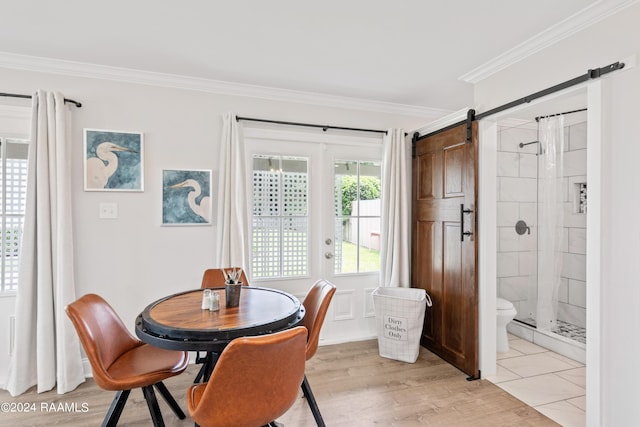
<point>315,213</point>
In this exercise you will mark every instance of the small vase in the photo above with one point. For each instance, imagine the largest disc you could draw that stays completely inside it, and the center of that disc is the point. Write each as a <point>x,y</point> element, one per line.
<point>232,293</point>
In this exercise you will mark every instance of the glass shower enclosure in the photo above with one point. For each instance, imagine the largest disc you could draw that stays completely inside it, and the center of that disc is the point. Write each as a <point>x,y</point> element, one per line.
<point>542,202</point>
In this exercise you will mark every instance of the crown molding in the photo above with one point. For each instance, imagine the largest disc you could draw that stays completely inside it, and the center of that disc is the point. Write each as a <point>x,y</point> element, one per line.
<point>588,16</point>
<point>103,72</point>
<point>442,122</point>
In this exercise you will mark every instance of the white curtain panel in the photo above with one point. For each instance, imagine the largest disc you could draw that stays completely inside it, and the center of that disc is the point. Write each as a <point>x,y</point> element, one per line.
<point>395,233</point>
<point>233,216</point>
<point>47,348</point>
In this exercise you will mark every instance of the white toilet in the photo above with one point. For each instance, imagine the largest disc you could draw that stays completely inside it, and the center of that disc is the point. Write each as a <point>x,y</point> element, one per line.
<point>504,314</point>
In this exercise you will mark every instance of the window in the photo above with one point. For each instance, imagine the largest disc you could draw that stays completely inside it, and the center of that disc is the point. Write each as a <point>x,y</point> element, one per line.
<point>280,221</point>
<point>13,189</point>
<point>357,186</point>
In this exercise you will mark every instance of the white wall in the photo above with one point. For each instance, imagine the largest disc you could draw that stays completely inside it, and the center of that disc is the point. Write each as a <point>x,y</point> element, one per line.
<point>612,398</point>
<point>620,257</point>
<point>132,260</point>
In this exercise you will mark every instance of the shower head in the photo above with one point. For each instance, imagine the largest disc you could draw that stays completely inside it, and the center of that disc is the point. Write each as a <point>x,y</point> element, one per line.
<point>523,144</point>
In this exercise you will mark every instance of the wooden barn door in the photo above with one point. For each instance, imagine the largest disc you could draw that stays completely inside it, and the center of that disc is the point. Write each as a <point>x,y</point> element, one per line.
<point>444,243</point>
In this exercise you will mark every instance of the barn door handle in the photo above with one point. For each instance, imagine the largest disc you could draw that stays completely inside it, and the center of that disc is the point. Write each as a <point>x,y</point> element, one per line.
<point>462,212</point>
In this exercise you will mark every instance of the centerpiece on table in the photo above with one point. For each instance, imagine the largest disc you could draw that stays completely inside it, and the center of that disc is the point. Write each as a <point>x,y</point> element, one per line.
<point>232,286</point>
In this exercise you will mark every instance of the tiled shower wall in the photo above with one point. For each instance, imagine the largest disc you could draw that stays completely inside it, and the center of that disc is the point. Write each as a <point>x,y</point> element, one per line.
<point>517,200</point>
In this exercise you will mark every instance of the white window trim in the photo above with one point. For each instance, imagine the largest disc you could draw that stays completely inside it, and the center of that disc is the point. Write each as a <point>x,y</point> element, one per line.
<point>15,123</point>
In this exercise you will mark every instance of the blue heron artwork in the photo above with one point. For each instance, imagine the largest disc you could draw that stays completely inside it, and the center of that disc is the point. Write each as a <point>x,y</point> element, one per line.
<point>113,160</point>
<point>186,197</point>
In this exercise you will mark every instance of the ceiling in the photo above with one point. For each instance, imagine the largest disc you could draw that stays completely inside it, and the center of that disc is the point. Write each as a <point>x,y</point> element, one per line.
<point>406,52</point>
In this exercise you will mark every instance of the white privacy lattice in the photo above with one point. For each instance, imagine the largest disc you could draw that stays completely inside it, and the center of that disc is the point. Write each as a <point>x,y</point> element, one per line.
<point>294,247</point>
<point>265,193</point>
<point>266,258</point>
<point>294,198</point>
<point>280,220</point>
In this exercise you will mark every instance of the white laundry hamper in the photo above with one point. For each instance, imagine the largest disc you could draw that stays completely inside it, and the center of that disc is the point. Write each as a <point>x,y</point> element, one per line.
<point>399,321</point>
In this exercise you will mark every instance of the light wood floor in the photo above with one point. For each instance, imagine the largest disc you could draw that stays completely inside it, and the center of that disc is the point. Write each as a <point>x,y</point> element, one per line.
<point>353,385</point>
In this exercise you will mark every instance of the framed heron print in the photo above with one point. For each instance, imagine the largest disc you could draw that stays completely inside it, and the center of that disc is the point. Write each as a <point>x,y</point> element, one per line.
<point>186,197</point>
<point>113,160</point>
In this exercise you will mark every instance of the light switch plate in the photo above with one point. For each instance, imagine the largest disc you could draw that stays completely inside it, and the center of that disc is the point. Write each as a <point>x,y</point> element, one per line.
<point>108,211</point>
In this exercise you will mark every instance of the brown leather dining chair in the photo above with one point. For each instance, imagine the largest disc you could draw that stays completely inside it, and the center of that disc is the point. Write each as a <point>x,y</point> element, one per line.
<point>256,380</point>
<point>121,362</point>
<point>316,304</point>
<point>214,278</point>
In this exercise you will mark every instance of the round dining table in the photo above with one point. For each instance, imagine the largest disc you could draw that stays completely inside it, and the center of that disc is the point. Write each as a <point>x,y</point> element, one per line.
<point>178,322</point>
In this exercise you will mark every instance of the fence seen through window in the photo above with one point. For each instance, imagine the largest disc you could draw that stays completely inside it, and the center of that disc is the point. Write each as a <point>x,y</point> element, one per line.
<point>357,191</point>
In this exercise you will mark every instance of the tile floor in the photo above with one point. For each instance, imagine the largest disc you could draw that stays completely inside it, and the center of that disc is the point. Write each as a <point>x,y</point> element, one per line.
<point>553,384</point>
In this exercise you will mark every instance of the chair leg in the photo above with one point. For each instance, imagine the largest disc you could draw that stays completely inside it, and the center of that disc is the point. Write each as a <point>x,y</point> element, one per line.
<point>200,359</point>
<point>113,415</point>
<point>212,359</point>
<point>200,374</point>
<point>208,363</point>
<point>152,403</point>
<point>170,400</point>
<point>308,394</point>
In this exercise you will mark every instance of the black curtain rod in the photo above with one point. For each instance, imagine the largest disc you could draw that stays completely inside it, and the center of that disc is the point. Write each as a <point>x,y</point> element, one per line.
<point>560,114</point>
<point>15,95</point>
<point>589,75</point>
<point>323,127</point>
